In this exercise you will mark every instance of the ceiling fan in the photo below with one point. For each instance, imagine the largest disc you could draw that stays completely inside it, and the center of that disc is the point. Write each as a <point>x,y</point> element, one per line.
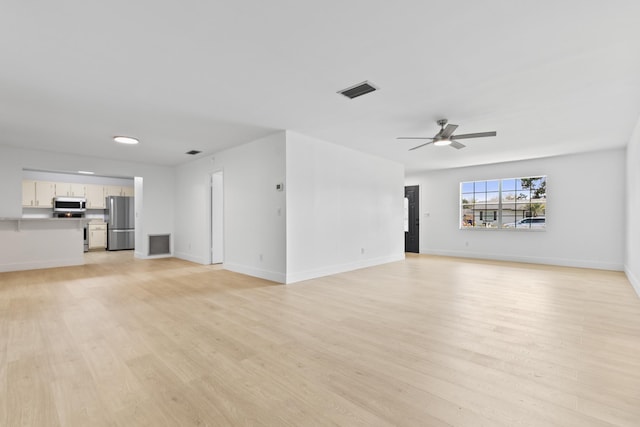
<point>446,136</point>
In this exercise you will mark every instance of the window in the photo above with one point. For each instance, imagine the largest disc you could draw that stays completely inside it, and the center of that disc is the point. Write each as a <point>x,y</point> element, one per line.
<point>515,203</point>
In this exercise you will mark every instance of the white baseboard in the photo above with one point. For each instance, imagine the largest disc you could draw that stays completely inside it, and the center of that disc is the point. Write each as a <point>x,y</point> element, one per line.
<point>140,255</point>
<point>274,276</point>
<point>36,265</point>
<point>189,257</point>
<point>563,262</point>
<point>341,268</point>
<point>633,279</point>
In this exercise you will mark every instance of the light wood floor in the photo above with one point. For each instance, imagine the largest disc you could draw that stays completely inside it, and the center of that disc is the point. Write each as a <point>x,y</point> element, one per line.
<point>429,341</point>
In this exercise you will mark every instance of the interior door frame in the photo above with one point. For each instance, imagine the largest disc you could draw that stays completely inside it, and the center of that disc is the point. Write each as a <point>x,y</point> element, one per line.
<point>413,218</point>
<point>216,213</point>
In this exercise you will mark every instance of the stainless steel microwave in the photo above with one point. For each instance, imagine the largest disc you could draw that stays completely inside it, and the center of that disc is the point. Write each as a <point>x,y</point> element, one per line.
<point>69,204</point>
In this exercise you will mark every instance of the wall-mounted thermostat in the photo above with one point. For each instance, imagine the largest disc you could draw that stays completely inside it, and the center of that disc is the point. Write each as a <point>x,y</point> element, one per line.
<point>280,186</point>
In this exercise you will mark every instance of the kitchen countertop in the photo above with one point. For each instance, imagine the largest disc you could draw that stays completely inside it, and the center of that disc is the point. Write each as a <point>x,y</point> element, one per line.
<point>42,219</point>
<point>20,222</point>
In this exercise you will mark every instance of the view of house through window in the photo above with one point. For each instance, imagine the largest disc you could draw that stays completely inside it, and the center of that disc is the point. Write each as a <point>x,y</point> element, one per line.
<point>517,203</point>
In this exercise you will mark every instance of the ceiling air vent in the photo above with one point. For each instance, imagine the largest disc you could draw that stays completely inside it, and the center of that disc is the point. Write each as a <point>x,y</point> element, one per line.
<point>358,90</point>
<point>193,152</point>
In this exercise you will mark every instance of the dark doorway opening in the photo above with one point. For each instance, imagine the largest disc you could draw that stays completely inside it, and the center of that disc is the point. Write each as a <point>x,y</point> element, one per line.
<point>412,236</point>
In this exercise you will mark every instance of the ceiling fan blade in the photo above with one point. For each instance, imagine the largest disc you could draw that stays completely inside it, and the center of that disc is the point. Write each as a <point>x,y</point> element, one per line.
<point>421,145</point>
<point>412,137</point>
<point>457,145</point>
<point>475,135</point>
<point>447,131</point>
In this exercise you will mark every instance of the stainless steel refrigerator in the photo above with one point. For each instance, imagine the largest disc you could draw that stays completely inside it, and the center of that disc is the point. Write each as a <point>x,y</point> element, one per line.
<point>120,223</point>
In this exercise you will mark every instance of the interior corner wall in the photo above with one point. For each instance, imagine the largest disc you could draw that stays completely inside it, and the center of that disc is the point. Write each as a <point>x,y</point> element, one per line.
<point>141,249</point>
<point>344,209</point>
<point>632,258</point>
<point>254,210</point>
<point>585,212</point>
<point>158,185</point>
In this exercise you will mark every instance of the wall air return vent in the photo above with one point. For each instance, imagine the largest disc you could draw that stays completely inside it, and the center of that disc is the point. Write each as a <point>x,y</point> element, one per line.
<point>358,90</point>
<point>159,244</point>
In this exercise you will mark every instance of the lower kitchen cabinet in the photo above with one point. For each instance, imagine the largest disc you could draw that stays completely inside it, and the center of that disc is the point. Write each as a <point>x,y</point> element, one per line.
<point>97,236</point>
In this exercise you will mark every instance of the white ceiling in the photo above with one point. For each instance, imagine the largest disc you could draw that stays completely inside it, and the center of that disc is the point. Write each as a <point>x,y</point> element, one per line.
<point>551,77</point>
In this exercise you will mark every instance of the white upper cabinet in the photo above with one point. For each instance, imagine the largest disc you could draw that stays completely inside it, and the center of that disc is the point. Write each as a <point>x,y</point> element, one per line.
<point>95,196</point>
<point>70,189</point>
<point>127,191</point>
<point>112,190</point>
<point>45,192</point>
<point>40,194</point>
<point>28,193</point>
<point>116,190</point>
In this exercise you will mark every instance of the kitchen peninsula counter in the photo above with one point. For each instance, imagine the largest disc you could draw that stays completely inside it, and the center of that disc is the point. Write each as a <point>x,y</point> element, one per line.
<point>31,243</point>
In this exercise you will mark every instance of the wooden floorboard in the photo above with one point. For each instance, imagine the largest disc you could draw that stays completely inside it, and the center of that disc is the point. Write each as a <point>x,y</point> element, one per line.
<point>428,341</point>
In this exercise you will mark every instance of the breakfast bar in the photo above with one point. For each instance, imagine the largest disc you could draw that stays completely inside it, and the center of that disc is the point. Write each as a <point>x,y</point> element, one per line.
<point>31,243</point>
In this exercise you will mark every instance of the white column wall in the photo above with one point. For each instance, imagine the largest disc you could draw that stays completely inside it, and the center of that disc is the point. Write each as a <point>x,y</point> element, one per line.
<point>632,260</point>
<point>344,209</point>
<point>254,211</point>
<point>585,212</point>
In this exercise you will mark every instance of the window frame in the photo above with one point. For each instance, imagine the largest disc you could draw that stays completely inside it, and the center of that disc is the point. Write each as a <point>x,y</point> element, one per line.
<point>483,189</point>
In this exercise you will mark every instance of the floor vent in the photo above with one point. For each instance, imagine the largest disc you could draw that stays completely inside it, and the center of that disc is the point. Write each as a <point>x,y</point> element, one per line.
<point>358,90</point>
<point>159,244</point>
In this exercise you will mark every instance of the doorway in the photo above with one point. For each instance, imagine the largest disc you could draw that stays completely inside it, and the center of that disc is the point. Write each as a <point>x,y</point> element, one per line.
<point>412,226</point>
<point>216,249</point>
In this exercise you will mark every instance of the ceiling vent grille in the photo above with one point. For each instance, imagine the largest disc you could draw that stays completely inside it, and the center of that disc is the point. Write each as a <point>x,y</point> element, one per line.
<point>193,152</point>
<point>358,90</point>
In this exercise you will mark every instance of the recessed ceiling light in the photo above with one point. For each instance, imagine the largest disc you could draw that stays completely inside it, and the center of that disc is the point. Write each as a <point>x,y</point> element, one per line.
<point>125,140</point>
<point>86,172</point>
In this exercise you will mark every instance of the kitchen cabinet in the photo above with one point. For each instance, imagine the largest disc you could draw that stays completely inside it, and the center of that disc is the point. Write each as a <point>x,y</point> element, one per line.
<point>38,194</point>
<point>95,196</point>
<point>97,236</point>
<point>45,192</point>
<point>112,190</point>
<point>28,193</point>
<point>70,189</point>
<point>116,190</point>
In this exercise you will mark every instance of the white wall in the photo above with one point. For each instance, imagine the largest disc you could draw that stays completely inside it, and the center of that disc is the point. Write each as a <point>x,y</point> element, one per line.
<point>632,261</point>
<point>344,209</point>
<point>335,202</point>
<point>585,212</point>
<point>158,185</point>
<point>254,212</point>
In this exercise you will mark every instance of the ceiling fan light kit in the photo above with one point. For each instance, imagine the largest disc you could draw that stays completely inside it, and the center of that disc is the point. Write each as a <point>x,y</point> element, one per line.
<point>446,136</point>
<point>442,142</point>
